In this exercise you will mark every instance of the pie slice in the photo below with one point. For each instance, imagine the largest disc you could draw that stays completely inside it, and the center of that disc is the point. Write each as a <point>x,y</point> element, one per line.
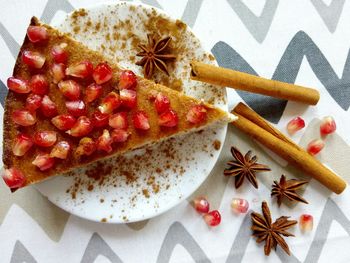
<point>68,106</point>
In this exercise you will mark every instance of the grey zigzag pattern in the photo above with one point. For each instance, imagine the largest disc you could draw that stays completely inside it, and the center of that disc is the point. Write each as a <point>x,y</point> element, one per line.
<point>329,14</point>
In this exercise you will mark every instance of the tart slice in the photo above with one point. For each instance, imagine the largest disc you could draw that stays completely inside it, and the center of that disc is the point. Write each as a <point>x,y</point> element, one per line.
<point>68,106</point>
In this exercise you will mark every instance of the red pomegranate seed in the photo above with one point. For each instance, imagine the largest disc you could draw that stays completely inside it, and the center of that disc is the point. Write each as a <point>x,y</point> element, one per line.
<point>306,222</point>
<point>43,161</point>
<point>63,122</point>
<point>315,146</point>
<point>18,85</point>
<point>104,142</point>
<point>119,120</point>
<point>109,103</point>
<point>102,73</point>
<point>76,108</point>
<point>140,120</point>
<point>33,59</point>
<point>161,103</point>
<point>86,147</point>
<point>92,92</point>
<point>128,98</point>
<point>33,102</point>
<point>239,205</point>
<point>168,118</point>
<point>48,107</point>
<point>58,72</point>
<point>70,89</point>
<point>23,117</point>
<point>99,119</point>
<point>196,114</point>
<point>328,125</point>
<point>201,205</point>
<point>22,144</point>
<point>13,177</point>
<point>59,53</point>
<point>82,127</point>
<point>82,69</point>
<point>127,80</point>
<point>37,34</point>
<point>212,218</point>
<point>119,135</point>
<point>60,150</point>
<point>39,84</point>
<point>45,138</point>
<point>295,125</point>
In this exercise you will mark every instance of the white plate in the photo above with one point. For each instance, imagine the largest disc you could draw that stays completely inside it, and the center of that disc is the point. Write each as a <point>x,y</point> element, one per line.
<point>165,173</point>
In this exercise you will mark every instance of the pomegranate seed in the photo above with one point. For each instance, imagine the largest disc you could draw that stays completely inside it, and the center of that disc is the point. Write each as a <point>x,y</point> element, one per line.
<point>128,98</point>
<point>33,59</point>
<point>92,92</point>
<point>295,125</point>
<point>127,80</point>
<point>109,103</point>
<point>13,177</point>
<point>140,120</point>
<point>33,102</point>
<point>82,69</point>
<point>119,135</point>
<point>212,218</point>
<point>69,89</point>
<point>63,122</point>
<point>196,114</point>
<point>18,85</point>
<point>161,103</point>
<point>59,53</point>
<point>76,108</point>
<point>43,161</point>
<point>102,73</point>
<point>82,127</point>
<point>315,146</point>
<point>23,117</point>
<point>45,138</point>
<point>99,119</point>
<point>119,120</point>
<point>86,147</point>
<point>37,34</point>
<point>168,119</point>
<point>39,84</point>
<point>48,107</point>
<point>58,72</point>
<point>22,144</point>
<point>201,205</point>
<point>60,150</point>
<point>104,142</point>
<point>328,125</point>
<point>239,206</point>
<point>306,222</point>
<point>152,94</point>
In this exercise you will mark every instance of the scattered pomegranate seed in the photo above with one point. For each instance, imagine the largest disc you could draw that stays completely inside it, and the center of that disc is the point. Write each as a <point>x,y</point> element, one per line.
<point>212,218</point>
<point>140,120</point>
<point>39,84</point>
<point>196,114</point>
<point>128,98</point>
<point>70,89</point>
<point>86,147</point>
<point>92,92</point>
<point>18,85</point>
<point>63,122</point>
<point>201,205</point>
<point>43,161</point>
<point>45,138</point>
<point>102,73</point>
<point>109,103</point>
<point>327,126</point>
<point>22,144</point>
<point>59,53</point>
<point>119,120</point>
<point>119,135</point>
<point>60,150</point>
<point>82,69</point>
<point>168,118</point>
<point>127,80</point>
<point>315,146</point>
<point>33,59</point>
<point>82,127</point>
<point>162,103</point>
<point>58,72</point>
<point>76,108</point>
<point>33,102</point>
<point>306,222</point>
<point>48,107</point>
<point>99,119</point>
<point>239,205</point>
<point>13,177</point>
<point>23,117</point>
<point>295,125</point>
<point>37,34</point>
<point>104,142</point>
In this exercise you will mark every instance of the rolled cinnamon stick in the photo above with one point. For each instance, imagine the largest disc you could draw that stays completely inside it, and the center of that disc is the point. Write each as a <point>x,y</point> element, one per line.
<point>239,80</point>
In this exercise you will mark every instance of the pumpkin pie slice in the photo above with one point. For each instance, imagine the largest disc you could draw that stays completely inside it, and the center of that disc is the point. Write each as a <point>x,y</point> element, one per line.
<point>69,106</point>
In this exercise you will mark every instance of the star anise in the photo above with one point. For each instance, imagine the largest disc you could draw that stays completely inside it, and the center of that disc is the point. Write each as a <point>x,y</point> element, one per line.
<point>244,166</point>
<point>287,188</point>
<point>154,56</point>
<point>271,233</point>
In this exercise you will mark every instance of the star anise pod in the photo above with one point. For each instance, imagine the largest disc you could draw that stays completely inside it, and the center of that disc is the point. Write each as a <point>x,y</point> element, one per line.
<point>271,233</point>
<point>287,188</point>
<point>244,166</point>
<point>154,56</point>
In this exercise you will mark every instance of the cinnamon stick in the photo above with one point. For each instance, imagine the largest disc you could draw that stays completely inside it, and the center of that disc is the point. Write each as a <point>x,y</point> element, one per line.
<point>239,80</point>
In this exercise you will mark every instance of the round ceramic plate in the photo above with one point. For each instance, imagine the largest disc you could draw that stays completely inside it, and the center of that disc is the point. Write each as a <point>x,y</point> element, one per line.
<point>146,182</point>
